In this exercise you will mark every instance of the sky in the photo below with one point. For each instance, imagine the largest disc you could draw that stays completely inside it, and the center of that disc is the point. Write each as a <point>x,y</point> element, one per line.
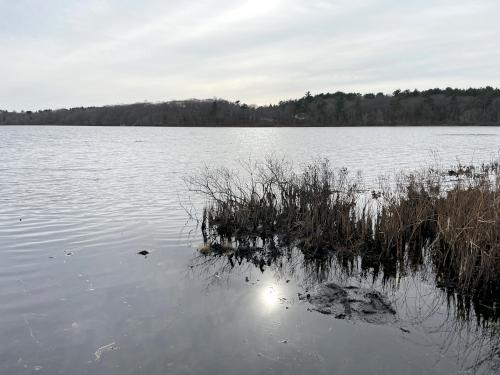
<point>68,53</point>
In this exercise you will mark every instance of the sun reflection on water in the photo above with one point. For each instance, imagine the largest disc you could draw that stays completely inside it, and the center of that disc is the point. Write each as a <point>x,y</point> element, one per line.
<point>269,298</point>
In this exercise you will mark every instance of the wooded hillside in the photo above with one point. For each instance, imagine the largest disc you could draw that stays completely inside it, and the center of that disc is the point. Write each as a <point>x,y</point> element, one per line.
<point>430,107</point>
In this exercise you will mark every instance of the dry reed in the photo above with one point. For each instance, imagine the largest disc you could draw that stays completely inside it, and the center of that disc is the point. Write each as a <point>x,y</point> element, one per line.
<point>452,216</point>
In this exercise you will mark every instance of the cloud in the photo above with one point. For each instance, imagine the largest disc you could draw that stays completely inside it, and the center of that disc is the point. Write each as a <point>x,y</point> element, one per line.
<point>72,53</point>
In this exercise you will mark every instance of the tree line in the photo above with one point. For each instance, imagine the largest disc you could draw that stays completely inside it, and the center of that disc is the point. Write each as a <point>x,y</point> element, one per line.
<point>473,106</point>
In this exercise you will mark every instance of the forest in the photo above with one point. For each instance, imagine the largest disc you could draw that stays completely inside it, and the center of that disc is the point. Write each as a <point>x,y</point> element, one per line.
<point>473,106</point>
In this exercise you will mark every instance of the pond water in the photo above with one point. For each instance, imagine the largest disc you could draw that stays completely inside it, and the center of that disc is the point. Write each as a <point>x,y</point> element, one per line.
<point>78,203</point>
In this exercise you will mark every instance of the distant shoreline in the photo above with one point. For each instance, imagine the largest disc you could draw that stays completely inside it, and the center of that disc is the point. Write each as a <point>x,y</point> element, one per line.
<point>489,125</point>
<point>433,107</point>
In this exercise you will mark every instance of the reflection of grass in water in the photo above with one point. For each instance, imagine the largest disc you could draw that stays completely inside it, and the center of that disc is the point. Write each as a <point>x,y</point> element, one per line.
<point>449,216</point>
<point>464,332</point>
<point>473,340</point>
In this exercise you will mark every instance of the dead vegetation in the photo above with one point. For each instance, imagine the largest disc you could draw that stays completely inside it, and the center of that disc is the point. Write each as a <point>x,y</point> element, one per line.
<point>450,217</point>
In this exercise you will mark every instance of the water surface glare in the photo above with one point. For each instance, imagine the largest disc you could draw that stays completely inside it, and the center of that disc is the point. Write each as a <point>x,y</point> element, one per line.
<point>78,203</point>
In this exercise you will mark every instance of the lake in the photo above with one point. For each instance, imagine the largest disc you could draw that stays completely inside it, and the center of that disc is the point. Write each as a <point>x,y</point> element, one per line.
<point>78,203</point>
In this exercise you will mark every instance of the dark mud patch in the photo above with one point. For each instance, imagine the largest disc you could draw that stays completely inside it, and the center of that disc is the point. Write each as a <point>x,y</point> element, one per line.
<point>351,302</point>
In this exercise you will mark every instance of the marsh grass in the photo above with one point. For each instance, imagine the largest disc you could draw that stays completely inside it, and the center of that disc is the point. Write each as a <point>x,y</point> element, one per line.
<point>448,216</point>
<point>451,215</point>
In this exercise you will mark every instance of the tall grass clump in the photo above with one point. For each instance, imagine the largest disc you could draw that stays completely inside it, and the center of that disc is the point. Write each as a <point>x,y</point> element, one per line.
<point>454,216</point>
<point>450,216</point>
<point>315,208</point>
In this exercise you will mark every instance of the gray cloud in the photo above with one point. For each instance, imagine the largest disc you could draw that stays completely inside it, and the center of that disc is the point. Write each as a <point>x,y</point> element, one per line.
<point>59,53</point>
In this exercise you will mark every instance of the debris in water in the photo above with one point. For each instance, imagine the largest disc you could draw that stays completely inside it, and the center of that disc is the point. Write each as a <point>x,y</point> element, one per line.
<point>405,330</point>
<point>143,252</point>
<point>32,334</point>
<point>105,348</point>
<point>351,302</point>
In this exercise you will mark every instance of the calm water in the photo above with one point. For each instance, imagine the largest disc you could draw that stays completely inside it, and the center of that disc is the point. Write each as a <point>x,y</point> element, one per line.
<point>78,203</point>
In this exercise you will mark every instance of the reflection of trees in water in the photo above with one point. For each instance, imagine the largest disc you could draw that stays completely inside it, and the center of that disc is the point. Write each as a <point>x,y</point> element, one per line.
<point>467,325</point>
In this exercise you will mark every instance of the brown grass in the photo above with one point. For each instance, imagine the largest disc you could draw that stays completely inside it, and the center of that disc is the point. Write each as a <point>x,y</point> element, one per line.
<point>450,215</point>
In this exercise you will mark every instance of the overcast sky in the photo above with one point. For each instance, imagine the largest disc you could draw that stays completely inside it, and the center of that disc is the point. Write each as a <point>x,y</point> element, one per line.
<point>63,53</point>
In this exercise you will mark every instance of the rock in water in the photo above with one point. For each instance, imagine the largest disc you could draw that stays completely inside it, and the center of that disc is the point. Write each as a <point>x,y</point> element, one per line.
<point>351,302</point>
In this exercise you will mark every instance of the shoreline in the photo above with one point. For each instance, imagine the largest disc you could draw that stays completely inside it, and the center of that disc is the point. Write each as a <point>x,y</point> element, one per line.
<point>489,125</point>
